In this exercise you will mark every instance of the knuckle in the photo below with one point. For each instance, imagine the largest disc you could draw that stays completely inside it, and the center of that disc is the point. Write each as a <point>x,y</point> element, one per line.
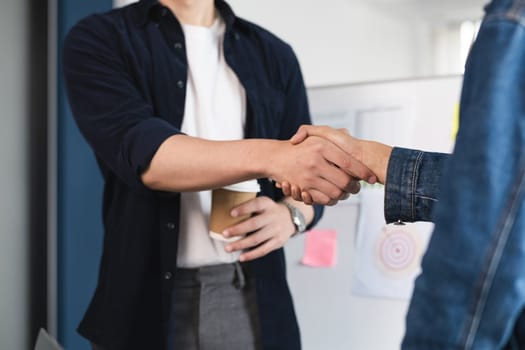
<point>321,200</point>
<point>257,204</point>
<point>316,147</point>
<point>335,193</point>
<point>255,240</point>
<point>266,201</point>
<point>258,222</point>
<point>346,163</point>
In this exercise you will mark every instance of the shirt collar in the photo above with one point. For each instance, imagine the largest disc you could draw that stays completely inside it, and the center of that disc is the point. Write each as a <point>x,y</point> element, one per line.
<point>144,10</point>
<point>146,6</point>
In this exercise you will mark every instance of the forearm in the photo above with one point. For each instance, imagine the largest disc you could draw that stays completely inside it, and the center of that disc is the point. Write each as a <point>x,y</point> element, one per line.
<point>184,163</point>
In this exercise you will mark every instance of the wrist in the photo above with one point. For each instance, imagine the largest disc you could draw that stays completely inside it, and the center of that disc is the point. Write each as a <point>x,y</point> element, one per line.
<point>376,156</point>
<point>257,156</point>
<point>266,158</point>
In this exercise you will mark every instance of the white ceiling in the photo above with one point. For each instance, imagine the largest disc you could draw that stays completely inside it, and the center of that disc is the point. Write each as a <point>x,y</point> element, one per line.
<point>438,10</point>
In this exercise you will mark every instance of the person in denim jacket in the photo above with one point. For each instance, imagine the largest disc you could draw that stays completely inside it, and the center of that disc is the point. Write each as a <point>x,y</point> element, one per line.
<point>471,292</point>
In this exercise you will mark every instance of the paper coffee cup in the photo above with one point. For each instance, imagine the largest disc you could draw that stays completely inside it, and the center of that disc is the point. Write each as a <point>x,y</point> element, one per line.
<point>223,201</point>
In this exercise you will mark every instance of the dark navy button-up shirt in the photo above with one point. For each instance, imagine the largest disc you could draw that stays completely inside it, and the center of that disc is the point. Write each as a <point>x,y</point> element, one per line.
<point>126,73</point>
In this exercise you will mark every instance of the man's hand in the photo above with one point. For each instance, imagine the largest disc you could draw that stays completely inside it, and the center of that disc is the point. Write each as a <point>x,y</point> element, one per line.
<point>373,155</point>
<point>320,167</point>
<point>270,227</point>
<point>340,137</point>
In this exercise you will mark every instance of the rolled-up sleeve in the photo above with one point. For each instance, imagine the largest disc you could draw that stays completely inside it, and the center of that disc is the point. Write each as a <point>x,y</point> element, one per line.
<point>110,111</point>
<point>412,184</point>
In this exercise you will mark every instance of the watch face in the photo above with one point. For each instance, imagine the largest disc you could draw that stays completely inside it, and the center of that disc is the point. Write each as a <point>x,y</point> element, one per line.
<point>299,220</point>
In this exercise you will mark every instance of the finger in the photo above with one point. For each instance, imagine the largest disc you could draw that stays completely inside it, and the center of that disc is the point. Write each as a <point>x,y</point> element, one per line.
<point>287,189</point>
<point>330,180</point>
<point>251,224</point>
<point>348,163</point>
<point>262,250</point>
<point>327,132</point>
<point>296,193</point>
<point>341,137</point>
<point>319,197</point>
<point>354,187</point>
<point>362,172</point>
<point>278,185</point>
<point>307,198</point>
<point>249,241</point>
<point>249,207</point>
<point>300,135</point>
<point>351,146</point>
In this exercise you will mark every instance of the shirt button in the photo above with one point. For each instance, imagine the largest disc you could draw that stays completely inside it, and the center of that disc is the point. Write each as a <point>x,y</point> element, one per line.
<point>164,12</point>
<point>168,275</point>
<point>170,226</point>
<point>236,36</point>
<point>177,45</point>
<point>180,84</point>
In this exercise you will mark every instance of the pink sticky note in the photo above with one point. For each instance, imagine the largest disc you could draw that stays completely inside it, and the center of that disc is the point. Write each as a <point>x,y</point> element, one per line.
<point>320,248</point>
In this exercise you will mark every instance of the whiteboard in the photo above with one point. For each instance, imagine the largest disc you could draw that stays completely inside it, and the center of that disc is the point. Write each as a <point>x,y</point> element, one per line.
<point>409,113</point>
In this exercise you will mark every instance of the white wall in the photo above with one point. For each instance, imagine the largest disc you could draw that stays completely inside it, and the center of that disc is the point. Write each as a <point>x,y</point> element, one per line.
<point>13,175</point>
<point>339,41</point>
<point>347,41</point>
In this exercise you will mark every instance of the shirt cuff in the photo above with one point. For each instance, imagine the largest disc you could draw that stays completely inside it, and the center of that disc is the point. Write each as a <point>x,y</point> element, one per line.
<point>141,144</point>
<point>412,185</point>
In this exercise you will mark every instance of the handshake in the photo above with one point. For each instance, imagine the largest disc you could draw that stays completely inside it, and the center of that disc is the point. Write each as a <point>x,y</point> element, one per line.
<point>322,165</point>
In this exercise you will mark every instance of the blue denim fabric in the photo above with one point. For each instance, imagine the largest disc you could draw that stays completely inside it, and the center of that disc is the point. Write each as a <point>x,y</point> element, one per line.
<point>412,184</point>
<point>471,293</point>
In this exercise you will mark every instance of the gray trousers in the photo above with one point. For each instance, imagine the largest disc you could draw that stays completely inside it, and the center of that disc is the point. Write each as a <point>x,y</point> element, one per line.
<point>213,308</point>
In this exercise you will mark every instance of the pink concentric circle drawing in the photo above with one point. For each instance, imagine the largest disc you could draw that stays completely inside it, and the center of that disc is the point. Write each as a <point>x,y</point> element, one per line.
<point>398,251</point>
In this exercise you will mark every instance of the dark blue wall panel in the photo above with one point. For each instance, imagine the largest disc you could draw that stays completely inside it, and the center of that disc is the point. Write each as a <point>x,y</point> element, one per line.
<point>79,199</point>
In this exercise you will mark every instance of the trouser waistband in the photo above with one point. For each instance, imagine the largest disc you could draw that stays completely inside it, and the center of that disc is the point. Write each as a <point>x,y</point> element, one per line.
<point>235,272</point>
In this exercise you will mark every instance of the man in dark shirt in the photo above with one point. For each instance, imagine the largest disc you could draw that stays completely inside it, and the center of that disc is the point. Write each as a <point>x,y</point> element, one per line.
<point>141,98</point>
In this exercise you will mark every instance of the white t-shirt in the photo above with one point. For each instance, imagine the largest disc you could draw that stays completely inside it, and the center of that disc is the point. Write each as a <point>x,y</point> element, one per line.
<point>215,109</point>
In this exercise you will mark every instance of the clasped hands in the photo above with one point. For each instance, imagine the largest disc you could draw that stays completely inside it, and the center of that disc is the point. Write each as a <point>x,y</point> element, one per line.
<point>329,163</point>
<point>318,165</point>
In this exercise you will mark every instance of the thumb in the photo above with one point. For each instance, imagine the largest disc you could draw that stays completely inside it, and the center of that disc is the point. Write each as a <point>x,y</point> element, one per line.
<point>300,135</point>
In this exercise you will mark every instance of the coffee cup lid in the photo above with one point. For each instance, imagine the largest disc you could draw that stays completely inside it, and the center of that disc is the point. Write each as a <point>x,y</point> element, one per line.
<point>245,186</point>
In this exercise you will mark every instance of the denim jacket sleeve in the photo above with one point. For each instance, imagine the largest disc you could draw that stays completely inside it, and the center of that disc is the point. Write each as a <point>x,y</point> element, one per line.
<point>412,184</point>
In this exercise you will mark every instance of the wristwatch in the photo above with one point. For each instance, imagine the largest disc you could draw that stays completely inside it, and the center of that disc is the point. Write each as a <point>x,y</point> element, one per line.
<point>298,219</point>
